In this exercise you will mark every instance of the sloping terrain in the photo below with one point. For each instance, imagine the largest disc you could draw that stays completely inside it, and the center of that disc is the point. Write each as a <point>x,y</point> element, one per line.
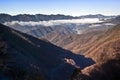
<point>75,43</point>
<point>106,53</point>
<point>82,43</point>
<point>24,57</point>
<point>109,70</point>
<point>25,24</point>
<point>106,46</point>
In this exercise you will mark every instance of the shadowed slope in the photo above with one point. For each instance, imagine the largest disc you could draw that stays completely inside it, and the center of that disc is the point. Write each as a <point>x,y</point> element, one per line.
<point>35,57</point>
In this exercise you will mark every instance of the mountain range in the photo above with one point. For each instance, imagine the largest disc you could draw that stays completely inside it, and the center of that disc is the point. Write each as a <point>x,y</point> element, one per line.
<point>96,16</point>
<point>28,17</point>
<point>42,17</point>
<point>38,26</point>
<point>102,46</point>
<point>60,53</point>
<point>26,57</point>
<point>81,42</point>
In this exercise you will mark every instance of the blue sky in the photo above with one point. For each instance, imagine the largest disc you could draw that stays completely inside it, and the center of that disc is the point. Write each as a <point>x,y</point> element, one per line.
<point>68,7</point>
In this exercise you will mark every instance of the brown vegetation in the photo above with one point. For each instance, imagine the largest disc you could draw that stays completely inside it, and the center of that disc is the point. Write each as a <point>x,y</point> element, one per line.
<point>106,53</point>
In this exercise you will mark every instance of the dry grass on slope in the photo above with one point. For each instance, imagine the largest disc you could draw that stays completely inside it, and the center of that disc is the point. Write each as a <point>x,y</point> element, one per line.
<point>106,46</point>
<point>73,42</point>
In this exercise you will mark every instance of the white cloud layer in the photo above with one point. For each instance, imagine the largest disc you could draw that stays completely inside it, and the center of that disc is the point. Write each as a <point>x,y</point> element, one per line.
<point>54,22</point>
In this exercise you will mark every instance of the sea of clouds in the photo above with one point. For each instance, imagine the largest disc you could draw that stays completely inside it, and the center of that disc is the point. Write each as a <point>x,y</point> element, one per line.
<point>54,22</point>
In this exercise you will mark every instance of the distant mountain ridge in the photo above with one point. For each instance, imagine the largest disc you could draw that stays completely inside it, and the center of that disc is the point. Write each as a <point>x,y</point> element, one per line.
<point>42,17</point>
<point>96,16</point>
<point>36,17</point>
<point>116,20</point>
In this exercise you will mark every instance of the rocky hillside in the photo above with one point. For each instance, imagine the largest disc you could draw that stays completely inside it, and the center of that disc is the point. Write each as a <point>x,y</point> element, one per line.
<point>102,46</point>
<point>40,31</point>
<point>80,42</point>
<point>106,52</point>
<point>24,57</point>
<point>107,46</point>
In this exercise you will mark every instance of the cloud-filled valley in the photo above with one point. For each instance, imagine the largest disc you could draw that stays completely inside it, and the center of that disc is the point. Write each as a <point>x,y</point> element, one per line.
<point>54,22</point>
